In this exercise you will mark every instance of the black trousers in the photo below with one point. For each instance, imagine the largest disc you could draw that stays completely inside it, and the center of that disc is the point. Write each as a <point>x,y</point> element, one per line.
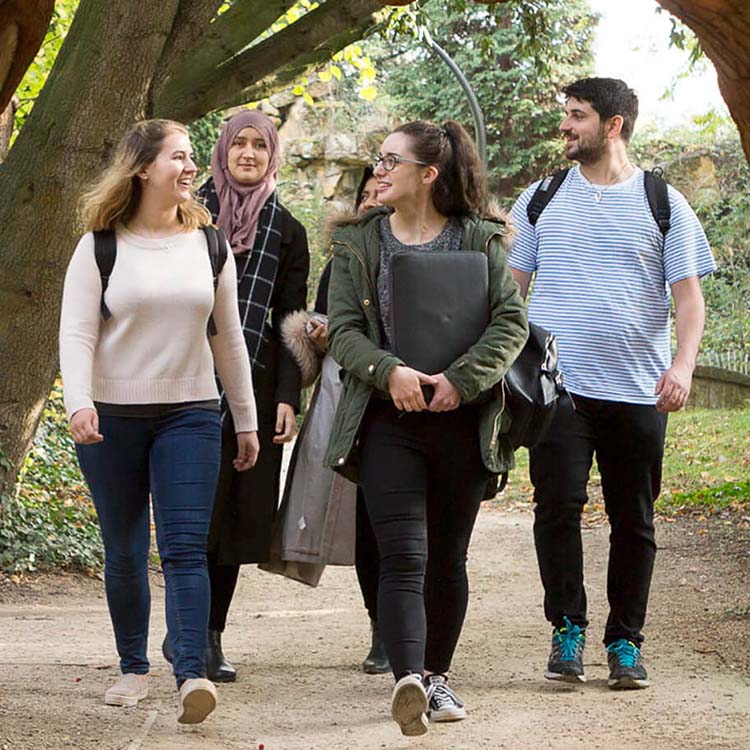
<point>628,441</point>
<point>366,558</point>
<point>423,481</point>
<point>224,577</point>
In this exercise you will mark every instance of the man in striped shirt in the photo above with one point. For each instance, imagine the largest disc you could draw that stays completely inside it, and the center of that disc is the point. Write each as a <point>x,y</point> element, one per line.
<point>602,271</point>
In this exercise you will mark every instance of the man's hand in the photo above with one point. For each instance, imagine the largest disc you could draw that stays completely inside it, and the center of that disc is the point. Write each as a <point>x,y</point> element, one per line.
<point>405,386</point>
<point>673,387</point>
<point>286,424</point>
<point>248,449</point>
<point>446,396</point>
<point>84,427</point>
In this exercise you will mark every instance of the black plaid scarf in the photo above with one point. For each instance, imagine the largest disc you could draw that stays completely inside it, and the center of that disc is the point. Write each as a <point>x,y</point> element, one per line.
<point>256,270</point>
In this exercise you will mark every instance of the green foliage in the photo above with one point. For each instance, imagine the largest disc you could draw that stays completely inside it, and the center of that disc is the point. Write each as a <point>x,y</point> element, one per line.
<point>36,75</point>
<point>708,165</point>
<point>517,56</point>
<point>49,520</point>
<point>203,135</point>
<point>311,211</point>
<point>732,495</point>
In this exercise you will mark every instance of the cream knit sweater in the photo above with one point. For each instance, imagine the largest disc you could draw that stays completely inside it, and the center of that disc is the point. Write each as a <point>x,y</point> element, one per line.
<point>154,348</point>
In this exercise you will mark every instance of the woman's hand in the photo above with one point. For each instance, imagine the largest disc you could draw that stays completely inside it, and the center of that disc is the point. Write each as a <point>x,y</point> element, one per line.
<point>319,334</point>
<point>84,427</point>
<point>405,386</point>
<point>248,449</point>
<point>286,424</point>
<point>446,396</point>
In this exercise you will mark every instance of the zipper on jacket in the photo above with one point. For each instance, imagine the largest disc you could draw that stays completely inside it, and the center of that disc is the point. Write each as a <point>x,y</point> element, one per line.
<point>363,263</point>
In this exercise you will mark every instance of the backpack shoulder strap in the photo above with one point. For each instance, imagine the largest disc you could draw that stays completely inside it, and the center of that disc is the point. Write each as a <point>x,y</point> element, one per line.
<point>658,199</point>
<point>217,255</point>
<point>544,194</point>
<point>105,252</point>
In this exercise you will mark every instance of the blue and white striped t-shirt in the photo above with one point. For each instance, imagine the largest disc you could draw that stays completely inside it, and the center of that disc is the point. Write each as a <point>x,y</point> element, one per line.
<point>601,273</point>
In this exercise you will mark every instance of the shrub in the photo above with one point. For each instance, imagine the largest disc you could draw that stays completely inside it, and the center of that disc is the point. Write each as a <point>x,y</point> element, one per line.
<point>49,520</point>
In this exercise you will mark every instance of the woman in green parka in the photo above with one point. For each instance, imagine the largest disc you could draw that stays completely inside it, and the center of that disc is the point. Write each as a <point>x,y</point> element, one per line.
<point>424,467</point>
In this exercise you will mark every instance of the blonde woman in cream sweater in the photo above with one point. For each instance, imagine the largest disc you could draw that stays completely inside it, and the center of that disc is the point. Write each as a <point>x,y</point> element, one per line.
<point>138,374</point>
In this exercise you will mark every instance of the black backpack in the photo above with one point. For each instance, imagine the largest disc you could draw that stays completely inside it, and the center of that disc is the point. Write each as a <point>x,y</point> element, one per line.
<point>532,387</point>
<point>656,192</point>
<point>105,252</point>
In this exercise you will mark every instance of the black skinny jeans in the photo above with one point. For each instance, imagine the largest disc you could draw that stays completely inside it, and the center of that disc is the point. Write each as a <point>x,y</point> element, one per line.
<point>423,481</point>
<point>224,577</point>
<point>628,440</point>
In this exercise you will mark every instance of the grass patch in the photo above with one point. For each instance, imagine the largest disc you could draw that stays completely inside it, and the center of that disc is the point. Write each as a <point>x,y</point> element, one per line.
<point>706,465</point>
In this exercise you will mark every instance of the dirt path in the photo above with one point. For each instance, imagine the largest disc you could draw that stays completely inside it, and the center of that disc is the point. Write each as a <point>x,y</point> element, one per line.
<point>298,652</point>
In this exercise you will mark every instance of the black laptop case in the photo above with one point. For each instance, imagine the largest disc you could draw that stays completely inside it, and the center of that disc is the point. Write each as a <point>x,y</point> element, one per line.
<point>439,306</point>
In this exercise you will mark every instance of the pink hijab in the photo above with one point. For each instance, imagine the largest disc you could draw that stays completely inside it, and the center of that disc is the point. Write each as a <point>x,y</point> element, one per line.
<point>240,205</point>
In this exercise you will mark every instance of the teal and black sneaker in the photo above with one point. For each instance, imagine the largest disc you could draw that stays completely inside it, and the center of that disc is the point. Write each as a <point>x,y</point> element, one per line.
<point>566,658</point>
<point>626,670</point>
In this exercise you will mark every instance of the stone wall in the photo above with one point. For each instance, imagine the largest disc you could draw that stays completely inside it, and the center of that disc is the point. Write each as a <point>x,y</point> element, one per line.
<point>714,388</point>
<point>324,153</point>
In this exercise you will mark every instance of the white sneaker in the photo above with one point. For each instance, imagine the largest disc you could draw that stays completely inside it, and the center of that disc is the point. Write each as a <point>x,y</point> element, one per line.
<point>444,704</point>
<point>128,690</point>
<point>408,704</point>
<point>196,700</point>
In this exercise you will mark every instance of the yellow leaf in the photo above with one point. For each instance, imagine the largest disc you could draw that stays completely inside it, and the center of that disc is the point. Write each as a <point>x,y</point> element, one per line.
<point>308,98</point>
<point>336,72</point>
<point>324,75</point>
<point>367,75</point>
<point>338,57</point>
<point>298,90</point>
<point>368,93</point>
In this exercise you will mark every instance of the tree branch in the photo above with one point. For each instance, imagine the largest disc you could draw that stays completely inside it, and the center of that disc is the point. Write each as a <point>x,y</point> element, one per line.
<point>314,38</point>
<point>192,19</point>
<point>722,27</point>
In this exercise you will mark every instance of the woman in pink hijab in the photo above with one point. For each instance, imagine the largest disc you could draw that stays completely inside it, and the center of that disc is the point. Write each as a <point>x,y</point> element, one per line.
<point>270,249</point>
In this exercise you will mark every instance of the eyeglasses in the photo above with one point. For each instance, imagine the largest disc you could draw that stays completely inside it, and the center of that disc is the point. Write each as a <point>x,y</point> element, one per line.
<point>390,161</point>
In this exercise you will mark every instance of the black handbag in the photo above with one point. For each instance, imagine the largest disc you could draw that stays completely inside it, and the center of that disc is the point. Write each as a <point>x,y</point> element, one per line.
<point>439,306</point>
<point>533,385</point>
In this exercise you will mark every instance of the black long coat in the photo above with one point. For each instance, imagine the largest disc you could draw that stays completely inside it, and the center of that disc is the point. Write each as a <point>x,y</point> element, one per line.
<point>246,502</point>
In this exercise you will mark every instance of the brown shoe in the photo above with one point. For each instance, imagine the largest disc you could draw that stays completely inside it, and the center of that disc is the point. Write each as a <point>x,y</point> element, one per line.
<point>128,690</point>
<point>196,700</point>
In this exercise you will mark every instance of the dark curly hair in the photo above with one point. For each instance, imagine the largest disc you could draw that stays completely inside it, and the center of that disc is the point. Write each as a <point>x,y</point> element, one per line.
<point>609,97</point>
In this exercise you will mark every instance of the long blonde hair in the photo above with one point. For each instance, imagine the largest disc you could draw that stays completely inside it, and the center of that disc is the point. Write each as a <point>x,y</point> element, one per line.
<point>115,197</point>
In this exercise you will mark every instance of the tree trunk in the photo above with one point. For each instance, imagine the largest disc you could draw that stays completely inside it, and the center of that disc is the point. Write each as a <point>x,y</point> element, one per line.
<point>6,127</point>
<point>723,28</point>
<point>93,89</point>
<point>23,25</point>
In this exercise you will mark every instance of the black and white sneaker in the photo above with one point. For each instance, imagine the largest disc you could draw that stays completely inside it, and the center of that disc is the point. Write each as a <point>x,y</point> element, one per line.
<point>626,670</point>
<point>444,704</point>
<point>408,705</point>
<point>566,657</point>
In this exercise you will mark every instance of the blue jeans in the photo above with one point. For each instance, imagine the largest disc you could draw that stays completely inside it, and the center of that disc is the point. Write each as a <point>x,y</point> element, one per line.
<point>175,458</point>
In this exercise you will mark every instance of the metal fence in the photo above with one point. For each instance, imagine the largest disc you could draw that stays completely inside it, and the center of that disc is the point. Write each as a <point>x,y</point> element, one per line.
<point>735,361</point>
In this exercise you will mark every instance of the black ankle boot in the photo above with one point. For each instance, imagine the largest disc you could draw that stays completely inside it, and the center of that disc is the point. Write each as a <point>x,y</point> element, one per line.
<point>218,669</point>
<point>377,660</point>
<point>166,648</point>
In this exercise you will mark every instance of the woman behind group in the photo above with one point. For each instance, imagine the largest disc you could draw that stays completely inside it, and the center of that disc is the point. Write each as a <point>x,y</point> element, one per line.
<point>424,468</point>
<point>367,560</point>
<point>273,261</point>
<point>139,385</point>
